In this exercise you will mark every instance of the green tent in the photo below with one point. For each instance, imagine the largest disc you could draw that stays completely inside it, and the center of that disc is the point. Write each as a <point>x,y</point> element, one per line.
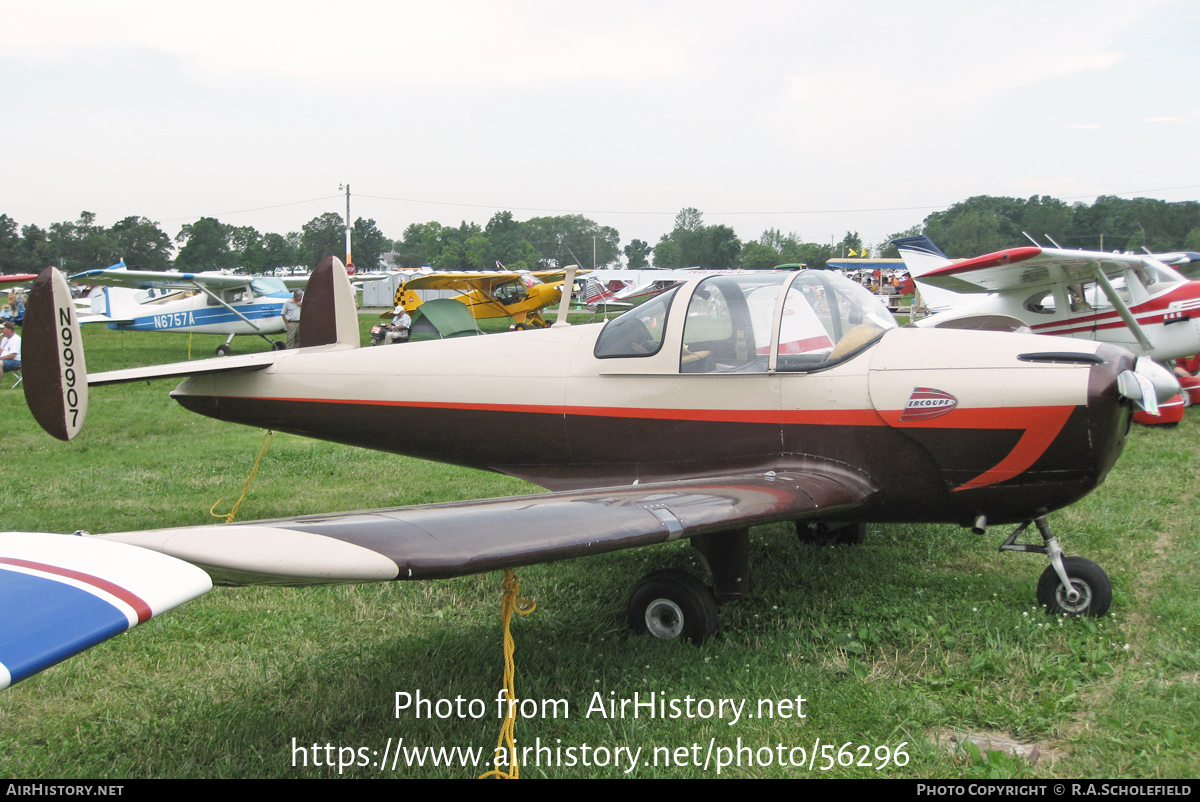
<point>441,319</point>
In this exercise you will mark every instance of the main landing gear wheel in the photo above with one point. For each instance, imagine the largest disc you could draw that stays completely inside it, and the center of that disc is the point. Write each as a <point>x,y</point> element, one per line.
<point>224,350</point>
<point>672,604</point>
<point>1087,579</point>
<point>824,534</point>
<point>276,345</point>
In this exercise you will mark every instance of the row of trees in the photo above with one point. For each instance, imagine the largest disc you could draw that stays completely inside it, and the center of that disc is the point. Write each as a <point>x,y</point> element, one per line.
<point>207,244</point>
<point>82,244</point>
<point>984,224</point>
<point>537,243</point>
<point>691,244</point>
<point>972,227</point>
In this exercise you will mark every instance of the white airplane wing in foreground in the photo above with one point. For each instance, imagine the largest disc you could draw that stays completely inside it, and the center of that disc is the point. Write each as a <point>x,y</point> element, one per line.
<point>63,594</point>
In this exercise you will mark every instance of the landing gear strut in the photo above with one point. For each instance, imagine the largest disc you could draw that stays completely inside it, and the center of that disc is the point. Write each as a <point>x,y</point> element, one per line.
<point>1071,586</point>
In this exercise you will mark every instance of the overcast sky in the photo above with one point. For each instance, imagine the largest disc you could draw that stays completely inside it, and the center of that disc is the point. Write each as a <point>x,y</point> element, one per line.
<point>811,117</point>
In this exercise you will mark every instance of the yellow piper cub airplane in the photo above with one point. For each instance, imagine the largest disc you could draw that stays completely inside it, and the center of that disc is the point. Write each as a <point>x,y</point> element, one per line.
<point>724,403</point>
<point>493,293</point>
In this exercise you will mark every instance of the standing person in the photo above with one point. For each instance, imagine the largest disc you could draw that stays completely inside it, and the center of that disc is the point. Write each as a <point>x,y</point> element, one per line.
<point>10,348</point>
<point>291,318</point>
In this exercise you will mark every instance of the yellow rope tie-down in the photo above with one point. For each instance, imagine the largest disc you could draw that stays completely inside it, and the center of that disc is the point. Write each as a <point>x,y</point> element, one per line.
<point>506,743</point>
<point>229,516</point>
<point>190,333</point>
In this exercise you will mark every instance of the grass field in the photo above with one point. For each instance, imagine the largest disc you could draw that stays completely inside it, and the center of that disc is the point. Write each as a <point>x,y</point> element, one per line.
<point>920,634</point>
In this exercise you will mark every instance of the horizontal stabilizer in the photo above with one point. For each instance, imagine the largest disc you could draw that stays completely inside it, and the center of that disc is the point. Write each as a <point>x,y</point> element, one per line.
<point>197,367</point>
<point>62,594</point>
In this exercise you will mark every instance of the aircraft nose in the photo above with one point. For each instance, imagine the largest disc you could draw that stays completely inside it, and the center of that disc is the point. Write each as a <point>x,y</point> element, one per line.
<point>1115,384</point>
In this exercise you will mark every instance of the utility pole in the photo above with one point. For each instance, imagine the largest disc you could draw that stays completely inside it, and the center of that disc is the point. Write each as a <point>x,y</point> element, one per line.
<point>349,258</point>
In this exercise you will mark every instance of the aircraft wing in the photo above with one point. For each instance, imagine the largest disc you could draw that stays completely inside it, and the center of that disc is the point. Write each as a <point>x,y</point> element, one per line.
<point>62,595</point>
<point>66,594</point>
<point>444,540</point>
<point>152,279</point>
<point>1186,263</point>
<point>1026,269</point>
<point>556,276</point>
<point>16,279</point>
<point>462,281</point>
<point>298,282</point>
<point>865,263</point>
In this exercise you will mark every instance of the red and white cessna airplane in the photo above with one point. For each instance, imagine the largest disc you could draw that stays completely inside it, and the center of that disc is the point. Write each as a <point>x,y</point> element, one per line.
<point>727,402</point>
<point>1133,300</point>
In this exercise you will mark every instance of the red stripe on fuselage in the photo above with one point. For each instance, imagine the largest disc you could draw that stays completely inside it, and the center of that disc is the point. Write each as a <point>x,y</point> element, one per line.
<point>1146,313</point>
<point>836,417</point>
<point>139,606</point>
<point>971,418</point>
<point>1040,425</point>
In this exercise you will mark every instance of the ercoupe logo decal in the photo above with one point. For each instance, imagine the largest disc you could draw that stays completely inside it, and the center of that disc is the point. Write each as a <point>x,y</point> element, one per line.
<point>926,403</point>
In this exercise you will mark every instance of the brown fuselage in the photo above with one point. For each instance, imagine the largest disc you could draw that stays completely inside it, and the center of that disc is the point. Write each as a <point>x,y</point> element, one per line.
<point>522,411</point>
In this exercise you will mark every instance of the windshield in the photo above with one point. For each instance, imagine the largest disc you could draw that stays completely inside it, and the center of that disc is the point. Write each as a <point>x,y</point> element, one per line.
<point>638,332</point>
<point>823,318</point>
<point>268,286</point>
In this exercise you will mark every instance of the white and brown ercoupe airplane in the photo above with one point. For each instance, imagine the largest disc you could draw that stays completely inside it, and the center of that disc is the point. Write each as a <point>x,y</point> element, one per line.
<point>727,402</point>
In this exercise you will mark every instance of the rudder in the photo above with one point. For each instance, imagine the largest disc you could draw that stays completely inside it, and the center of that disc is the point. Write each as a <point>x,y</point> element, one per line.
<point>55,383</point>
<point>329,314</point>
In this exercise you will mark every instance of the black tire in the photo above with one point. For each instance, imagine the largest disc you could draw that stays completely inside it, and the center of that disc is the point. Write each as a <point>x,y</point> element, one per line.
<point>1088,578</point>
<point>278,346</point>
<point>224,350</point>
<point>825,534</point>
<point>672,604</point>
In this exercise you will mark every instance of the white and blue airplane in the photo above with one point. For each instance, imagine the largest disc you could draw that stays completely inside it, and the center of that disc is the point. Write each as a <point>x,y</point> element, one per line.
<point>205,303</point>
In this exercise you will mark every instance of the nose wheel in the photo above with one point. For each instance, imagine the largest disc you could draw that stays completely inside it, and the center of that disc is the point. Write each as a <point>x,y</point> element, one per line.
<point>1089,591</point>
<point>1071,586</point>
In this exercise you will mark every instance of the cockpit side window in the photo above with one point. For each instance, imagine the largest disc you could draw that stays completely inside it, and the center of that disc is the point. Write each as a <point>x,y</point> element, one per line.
<point>1088,296</point>
<point>229,296</point>
<point>1041,303</point>
<point>728,327</point>
<point>638,332</point>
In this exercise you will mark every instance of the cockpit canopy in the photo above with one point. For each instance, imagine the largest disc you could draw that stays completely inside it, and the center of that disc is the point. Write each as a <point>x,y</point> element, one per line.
<point>734,322</point>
